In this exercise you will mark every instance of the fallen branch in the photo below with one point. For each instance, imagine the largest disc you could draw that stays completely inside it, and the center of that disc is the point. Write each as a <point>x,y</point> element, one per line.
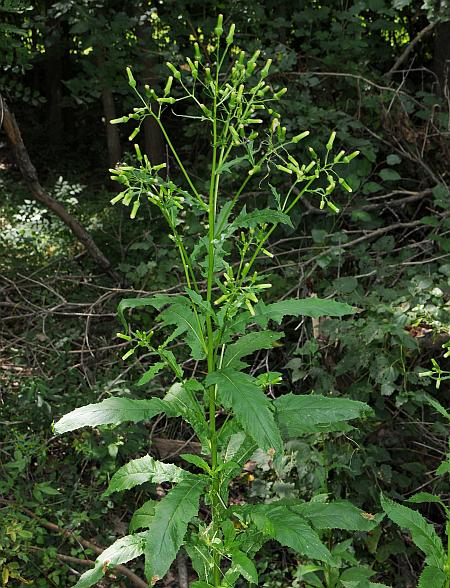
<point>84,542</point>
<point>30,176</point>
<point>404,56</point>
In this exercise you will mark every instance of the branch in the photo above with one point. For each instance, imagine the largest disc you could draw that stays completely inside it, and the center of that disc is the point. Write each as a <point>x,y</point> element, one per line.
<point>403,57</point>
<point>31,179</point>
<point>84,542</point>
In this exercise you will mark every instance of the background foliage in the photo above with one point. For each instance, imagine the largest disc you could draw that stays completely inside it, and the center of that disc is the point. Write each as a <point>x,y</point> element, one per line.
<point>387,252</point>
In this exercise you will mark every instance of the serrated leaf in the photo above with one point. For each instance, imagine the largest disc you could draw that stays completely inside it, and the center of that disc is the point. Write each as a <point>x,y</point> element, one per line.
<point>248,344</point>
<point>298,414</point>
<point>432,577</point>
<point>244,566</point>
<point>181,401</point>
<point>311,307</point>
<point>142,516</point>
<point>169,525</point>
<point>423,534</point>
<point>110,411</point>
<point>336,515</point>
<point>252,408</point>
<point>199,584</point>
<point>196,460</point>
<point>151,373</point>
<point>157,301</point>
<point>141,470</point>
<point>187,322</point>
<point>228,165</point>
<point>120,552</point>
<point>255,218</point>
<point>289,529</point>
<point>422,497</point>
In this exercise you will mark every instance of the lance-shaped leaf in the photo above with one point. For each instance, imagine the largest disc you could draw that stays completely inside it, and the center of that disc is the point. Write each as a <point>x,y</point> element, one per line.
<point>432,577</point>
<point>122,551</point>
<point>151,373</point>
<point>248,344</point>
<point>181,400</point>
<point>142,516</point>
<point>423,534</point>
<point>157,301</point>
<point>311,307</point>
<point>297,415</point>
<point>255,218</point>
<point>336,515</point>
<point>290,529</point>
<point>244,565</point>
<point>251,406</point>
<point>186,321</point>
<point>168,527</point>
<point>141,470</point>
<point>110,411</point>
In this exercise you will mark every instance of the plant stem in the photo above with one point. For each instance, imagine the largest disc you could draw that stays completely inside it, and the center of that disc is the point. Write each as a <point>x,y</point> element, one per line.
<point>215,506</point>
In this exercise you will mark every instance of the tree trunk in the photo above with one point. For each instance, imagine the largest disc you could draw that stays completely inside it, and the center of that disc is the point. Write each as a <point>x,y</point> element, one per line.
<point>154,144</point>
<point>112,132</point>
<point>442,57</point>
<point>31,179</point>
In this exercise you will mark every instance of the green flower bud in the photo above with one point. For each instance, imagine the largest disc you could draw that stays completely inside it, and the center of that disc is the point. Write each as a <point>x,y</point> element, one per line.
<point>138,152</point>
<point>176,74</point>
<point>127,354</point>
<point>348,158</point>
<point>230,36</point>
<point>284,169</point>
<point>329,145</point>
<point>345,185</point>
<point>135,209</point>
<point>241,58</point>
<point>313,153</point>
<point>198,55</point>
<point>134,133</point>
<point>219,27</point>
<point>131,80</point>
<point>299,137</point>
<point>280,93</point>
<point>117,198</point>
<point>265,70</point>
<point>205,110</point>
<point>254,170</point>
<point>339,156</point>
<point>309,167</point>
<point>332,206</point>
<point>168,86</point>
<point>117,121</point>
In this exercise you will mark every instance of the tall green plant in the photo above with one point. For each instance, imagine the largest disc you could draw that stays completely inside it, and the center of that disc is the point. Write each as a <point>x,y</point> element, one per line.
<point>221,318</point>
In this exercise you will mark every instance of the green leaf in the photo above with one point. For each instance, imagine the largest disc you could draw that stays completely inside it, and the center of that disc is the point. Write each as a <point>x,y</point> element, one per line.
<point>297,415</point>
<point>199,584</point>
<point>393,159</point>
<point>252,408</point>
<point>244,566</point>
<point>423,534</point>
<point>248,344</point>
<point>156,301</point>
<point>247,220</point>
<point>169,525</point>
<point>181,401</point>
<point>388,174</point>
<point>142,516</point>
<point>437,406</point>
<point>336,515</point>
<point>422,497</point>
<point>290,529</point>
<point>141,470</point>
<point>432,577</point>
<point>228,165</point>
<point>110,411</point>
<point>196,460</point>
<point>151,373</point>
<point>121,551</point>
<point>312,307</point>
<point>186,321</point>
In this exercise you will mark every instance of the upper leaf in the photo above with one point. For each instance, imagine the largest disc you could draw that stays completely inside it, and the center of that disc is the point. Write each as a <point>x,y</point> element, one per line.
<point>423,534</point>
<point>157,301</point>
<point>312,307</point>
<point>257,217</point>
<point>141,470</point>
<point>336,515</point>
<point>168,527</point>
<point>121,551</point>
<point>186,321</point>
<point>248,344</point>
<point>252,408</point>
<point>244,566</point>
<point>142,516</point>
<point>432,577</point>
<point>297,415</point>
<point>290,529</point>
<point>110,411</point>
